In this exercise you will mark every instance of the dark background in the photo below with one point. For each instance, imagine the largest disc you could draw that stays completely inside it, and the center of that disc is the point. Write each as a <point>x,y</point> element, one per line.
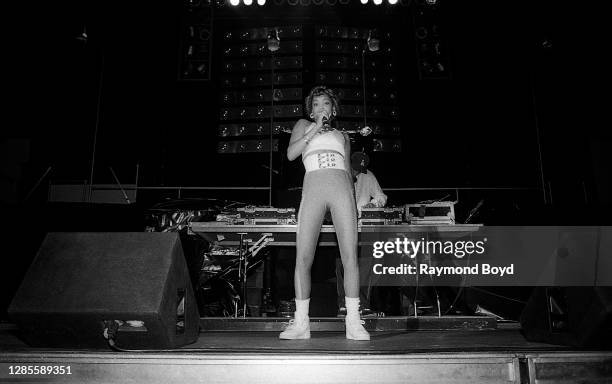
<point>476,129</point>
<point>512,126</point>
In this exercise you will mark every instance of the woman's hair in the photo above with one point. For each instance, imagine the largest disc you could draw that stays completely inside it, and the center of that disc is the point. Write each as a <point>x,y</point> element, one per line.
<point>320,90</point>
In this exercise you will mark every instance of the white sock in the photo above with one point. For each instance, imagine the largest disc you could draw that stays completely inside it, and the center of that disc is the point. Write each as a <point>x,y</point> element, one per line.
<point>301,308</point>
<point>352,306</point>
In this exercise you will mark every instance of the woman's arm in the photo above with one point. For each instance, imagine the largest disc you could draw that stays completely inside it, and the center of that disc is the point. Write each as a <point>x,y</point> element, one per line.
<point>299,138</point>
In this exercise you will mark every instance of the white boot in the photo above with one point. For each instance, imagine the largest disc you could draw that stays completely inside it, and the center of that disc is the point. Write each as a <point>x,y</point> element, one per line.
<point>353,322</point>
<point>299,326</point>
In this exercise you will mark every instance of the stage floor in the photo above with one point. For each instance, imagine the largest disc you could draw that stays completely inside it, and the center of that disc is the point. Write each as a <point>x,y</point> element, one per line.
<point>505,338</point>
<point>500,355</point>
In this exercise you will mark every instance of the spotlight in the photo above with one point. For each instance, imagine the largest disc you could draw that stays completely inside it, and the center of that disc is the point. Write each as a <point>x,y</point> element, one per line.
<point>392,2</point>
<point>234,2</point>
<point>261,2</point>
<point>273,40</point>
<point>378,2</point>
<point>247,2</point>
<point>83,36</point>
<point>364,1</point>
<point>373,40</point>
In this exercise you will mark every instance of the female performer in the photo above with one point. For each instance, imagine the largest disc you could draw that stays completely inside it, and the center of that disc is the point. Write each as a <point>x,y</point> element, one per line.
<point>327,185</point>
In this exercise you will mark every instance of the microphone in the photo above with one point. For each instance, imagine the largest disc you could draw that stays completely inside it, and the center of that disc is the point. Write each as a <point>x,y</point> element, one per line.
<point>477,207</point>
<point>274,171</point>
<point>363,131</point>
<point>326,125</point>
<point>473,211</point>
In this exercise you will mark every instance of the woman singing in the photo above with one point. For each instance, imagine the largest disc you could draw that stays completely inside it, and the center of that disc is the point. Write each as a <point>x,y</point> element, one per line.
<point>327,185</point>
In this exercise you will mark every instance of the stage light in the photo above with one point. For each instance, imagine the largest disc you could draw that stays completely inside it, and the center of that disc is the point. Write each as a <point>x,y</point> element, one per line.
<point>261,2</point>
<point>364,1</point>
<point>373,40</point>
<point>372,44</point>
<point>392,2</point>
<point>378,2</point>
<point>234,2</point>
<point>247,2</point>
<point>273,40</point>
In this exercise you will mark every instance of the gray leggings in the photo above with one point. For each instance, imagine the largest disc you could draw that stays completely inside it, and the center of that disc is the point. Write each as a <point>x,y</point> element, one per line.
<point>327,189</point>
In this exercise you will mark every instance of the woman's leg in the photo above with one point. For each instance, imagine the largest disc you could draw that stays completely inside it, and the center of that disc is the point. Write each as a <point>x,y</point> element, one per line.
<point>310,217</point>
<point>344,216</point>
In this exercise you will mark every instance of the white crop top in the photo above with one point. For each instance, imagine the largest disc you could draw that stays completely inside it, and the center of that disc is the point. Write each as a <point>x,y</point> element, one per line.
<point>326,141</point>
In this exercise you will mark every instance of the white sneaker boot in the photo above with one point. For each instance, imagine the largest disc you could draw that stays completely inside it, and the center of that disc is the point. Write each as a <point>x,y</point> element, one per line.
<point>299,326</point>
<point>353,322</point>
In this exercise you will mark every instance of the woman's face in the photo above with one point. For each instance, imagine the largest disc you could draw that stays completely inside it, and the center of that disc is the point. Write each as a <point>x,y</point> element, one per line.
<point>322,105</point>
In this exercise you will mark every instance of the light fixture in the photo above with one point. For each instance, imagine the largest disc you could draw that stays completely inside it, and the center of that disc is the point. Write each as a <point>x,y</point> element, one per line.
<point>373,40</point>
<point>273,40</point>
<point>247,2</point>
<point>273,46</point>
<point>392,2</point>
<point>378,2</point>
<point>373,45</point>
<point>364,1</point>
<point>261,2</point>
<point>234,2</point>
<point>83,36</point>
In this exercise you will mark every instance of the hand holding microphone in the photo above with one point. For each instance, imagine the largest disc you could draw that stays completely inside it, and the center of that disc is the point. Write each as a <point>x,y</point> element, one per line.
<point>326,125</point>
<point>323,122</point>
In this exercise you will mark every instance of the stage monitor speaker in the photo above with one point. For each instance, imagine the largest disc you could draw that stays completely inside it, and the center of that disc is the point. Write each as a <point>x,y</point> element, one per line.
<point>79,283</point>
<point>575,316</point>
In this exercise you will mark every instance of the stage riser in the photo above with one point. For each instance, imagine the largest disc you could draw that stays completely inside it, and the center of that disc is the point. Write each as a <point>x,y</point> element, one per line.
<point>569,368</point>
<point>320,369</point>
<point>236,369</point>
<point>330,324</point>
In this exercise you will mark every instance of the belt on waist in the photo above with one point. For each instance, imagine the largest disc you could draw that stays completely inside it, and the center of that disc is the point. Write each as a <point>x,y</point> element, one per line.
<point>324,160</point>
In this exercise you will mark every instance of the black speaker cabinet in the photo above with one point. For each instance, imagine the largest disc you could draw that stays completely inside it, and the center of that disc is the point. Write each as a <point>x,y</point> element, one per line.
<point>575,316</point>
<point>78,282</point>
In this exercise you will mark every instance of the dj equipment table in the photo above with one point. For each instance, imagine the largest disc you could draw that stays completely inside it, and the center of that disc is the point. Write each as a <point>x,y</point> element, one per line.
<point>284,235</point>
<point>251,239</point>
